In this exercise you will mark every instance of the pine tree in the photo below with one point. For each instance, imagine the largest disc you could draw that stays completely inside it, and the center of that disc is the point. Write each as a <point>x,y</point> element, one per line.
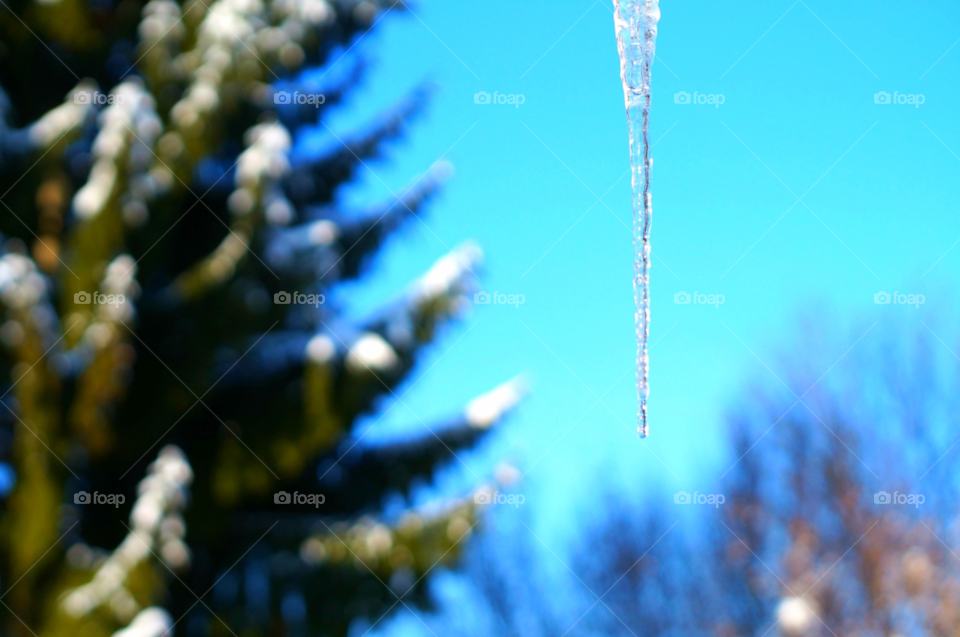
<point>177,374</point>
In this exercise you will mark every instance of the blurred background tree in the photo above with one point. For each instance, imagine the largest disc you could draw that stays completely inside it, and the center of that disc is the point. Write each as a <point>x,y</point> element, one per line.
<point>165,267</point>
<point>807,541</point>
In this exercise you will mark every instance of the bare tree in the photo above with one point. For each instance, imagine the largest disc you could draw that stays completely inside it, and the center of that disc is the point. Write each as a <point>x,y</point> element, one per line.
<point>839,513</point>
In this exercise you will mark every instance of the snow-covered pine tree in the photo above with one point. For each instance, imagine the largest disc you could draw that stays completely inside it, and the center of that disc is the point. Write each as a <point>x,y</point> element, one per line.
<point>154,225</point>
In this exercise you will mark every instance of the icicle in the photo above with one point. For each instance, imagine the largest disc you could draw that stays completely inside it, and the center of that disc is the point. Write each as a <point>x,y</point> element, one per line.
<point>635,22</point>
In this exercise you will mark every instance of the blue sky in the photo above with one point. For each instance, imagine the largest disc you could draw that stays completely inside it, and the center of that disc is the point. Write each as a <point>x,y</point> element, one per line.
<point>799,193</point>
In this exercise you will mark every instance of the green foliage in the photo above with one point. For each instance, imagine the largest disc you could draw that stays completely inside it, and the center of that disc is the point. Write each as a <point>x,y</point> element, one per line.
<point>187,385</point>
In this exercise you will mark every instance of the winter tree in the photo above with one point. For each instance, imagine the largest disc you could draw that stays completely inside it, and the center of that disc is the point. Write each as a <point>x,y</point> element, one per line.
<point>839,513</point>
<point>178,431</point>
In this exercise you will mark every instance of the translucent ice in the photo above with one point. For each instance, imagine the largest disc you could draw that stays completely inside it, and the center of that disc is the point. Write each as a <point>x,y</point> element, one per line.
<point>635,22</point>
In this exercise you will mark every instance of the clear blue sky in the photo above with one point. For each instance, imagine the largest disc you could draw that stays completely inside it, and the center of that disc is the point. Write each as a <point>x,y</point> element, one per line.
<point>879,211</point>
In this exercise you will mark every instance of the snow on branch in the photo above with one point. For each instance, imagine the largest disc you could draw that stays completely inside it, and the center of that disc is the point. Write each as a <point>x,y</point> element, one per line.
<point>156,526</point>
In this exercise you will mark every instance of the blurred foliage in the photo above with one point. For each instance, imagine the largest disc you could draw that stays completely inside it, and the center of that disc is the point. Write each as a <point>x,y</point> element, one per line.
<point>154,226</point>
<point>808,541</point>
